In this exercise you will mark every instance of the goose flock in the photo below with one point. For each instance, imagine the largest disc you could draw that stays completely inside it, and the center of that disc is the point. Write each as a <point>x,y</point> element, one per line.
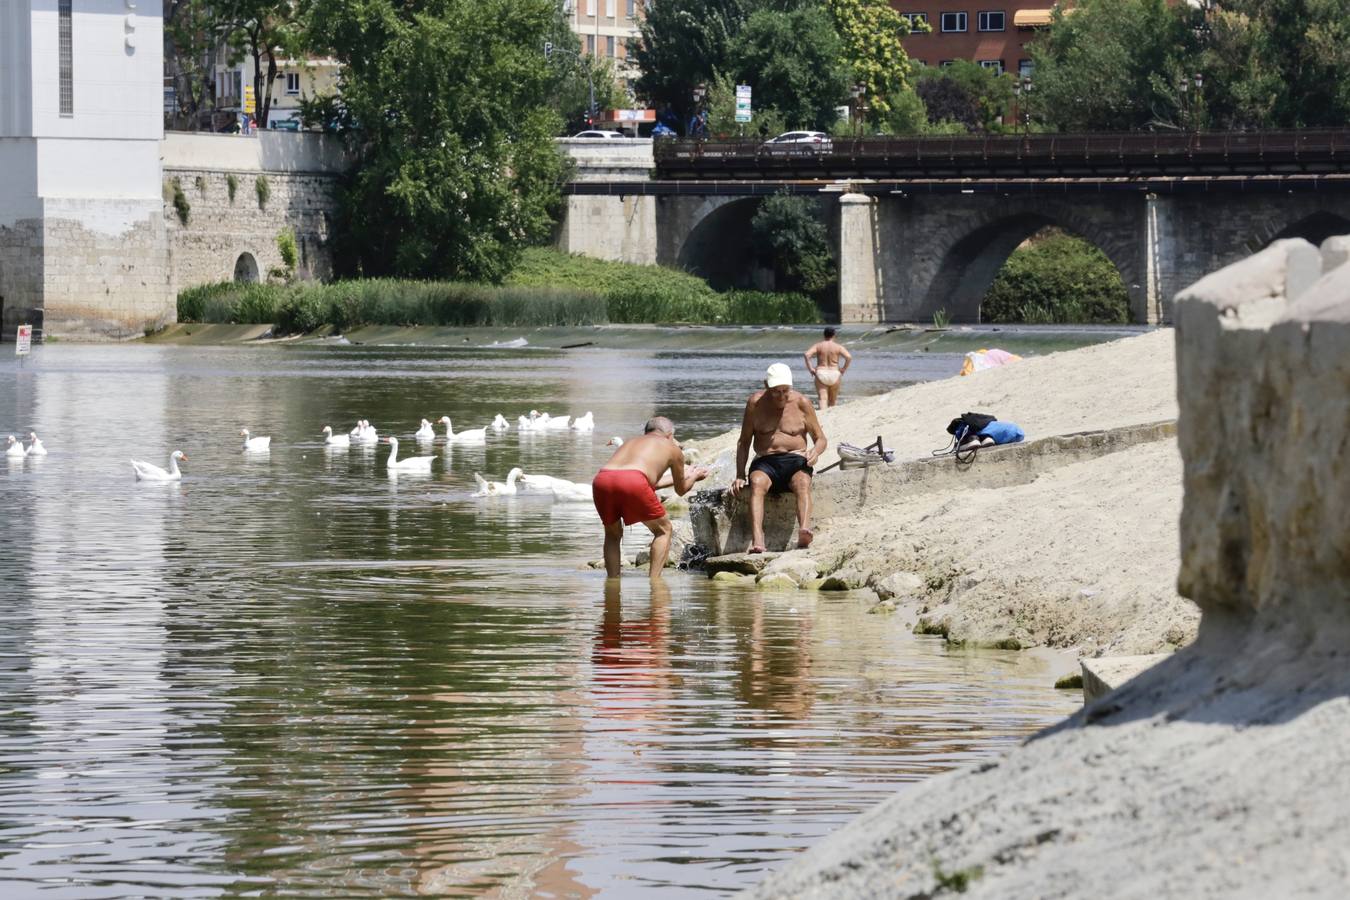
<point>14,448</point>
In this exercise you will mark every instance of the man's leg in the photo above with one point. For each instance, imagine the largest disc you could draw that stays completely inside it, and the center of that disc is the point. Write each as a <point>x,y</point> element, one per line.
<point>759,486</point>
<point>661,532</point>
<point>801,486</point>
<point>613,538</point>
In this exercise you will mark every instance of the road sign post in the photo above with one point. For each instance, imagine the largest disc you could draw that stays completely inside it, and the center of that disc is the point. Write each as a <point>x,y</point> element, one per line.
<point>23,343</point>
<point>744,111</point>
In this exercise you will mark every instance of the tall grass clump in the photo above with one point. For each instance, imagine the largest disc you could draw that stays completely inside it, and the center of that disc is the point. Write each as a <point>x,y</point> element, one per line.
<point>230,302</point>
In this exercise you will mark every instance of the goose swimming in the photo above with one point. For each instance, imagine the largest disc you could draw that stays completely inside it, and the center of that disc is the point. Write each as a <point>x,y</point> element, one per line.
<point>496,488</point>
<point>426,433</point>
<point>471,436</point>
<point>147,472</point>
<point>411,464</point>
<point>35,447</point>
<point>255,444</point>
<point>336,441</point>
<point>14,448</point>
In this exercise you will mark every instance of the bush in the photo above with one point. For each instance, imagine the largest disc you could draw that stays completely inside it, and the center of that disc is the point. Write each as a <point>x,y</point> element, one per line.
<point>180,201</point>
<point>290,254</point>
<point>1057,279</point>
<point>263,189</point>
<point>763,308</point>
<point>542,267</point>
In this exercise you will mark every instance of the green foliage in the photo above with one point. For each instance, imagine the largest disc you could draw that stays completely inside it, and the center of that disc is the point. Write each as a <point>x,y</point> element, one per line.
<point>871,33</point>
<point>263,188</point>
<point>180,201</point>
<point>794,61</point>
<point>231,185</point>
<point>957,881</point>
<point>791,239</point>
<point>346,304</point>
<point>1057,278</point>
<point>290,254</point>
<point>1113,65</point>
<point>941,319</point>
<point>964,94</point>
<point>544,267</point>
<point>721,108</point>
<point>446,110</point>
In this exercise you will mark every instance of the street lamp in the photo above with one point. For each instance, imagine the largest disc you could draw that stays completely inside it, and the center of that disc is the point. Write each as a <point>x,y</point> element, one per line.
<point>1022,89</point>
<point>859,91</point>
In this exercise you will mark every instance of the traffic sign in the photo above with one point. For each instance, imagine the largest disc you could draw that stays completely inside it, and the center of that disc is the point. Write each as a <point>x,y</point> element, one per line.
<point>24,340</point>
<point>250,102</point>
<point>743,105</point>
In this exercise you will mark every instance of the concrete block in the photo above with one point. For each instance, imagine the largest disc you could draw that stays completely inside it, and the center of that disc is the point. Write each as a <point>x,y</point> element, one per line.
<point>1103,675</point>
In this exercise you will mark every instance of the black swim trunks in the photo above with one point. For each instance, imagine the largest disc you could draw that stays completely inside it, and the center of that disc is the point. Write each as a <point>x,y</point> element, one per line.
<point>780,467</point>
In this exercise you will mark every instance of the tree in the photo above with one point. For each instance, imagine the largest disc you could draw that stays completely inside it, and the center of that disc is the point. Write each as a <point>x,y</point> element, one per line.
<point>793,60</point>
<point>191,37</point>
<point>1276,63</point>
<point>791,239</point>
<point>720,104</point>
<point>1114,65</point>
<point>871,33</point>
<point>1056,277</point>
<point>967,94</point>
<point>260,30</point>
<point>446,107</point>
<point>682,44</point>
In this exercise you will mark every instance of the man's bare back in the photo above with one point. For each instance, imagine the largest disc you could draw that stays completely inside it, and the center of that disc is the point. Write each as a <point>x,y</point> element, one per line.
<point>651,454</point>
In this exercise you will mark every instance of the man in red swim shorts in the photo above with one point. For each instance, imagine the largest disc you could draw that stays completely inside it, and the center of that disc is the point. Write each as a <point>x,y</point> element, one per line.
<point>624,490</point>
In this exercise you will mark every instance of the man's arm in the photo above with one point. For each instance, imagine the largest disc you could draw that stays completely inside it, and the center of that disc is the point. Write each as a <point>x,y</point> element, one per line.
<point>848,359</point>
<point>681,479</point>
<point>743,445</point>
<point>818,441</point>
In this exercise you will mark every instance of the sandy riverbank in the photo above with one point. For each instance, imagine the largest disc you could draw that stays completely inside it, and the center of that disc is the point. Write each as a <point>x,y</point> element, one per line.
<point>1083,557</point>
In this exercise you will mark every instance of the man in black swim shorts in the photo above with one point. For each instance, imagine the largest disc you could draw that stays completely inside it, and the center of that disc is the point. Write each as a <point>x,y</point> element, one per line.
<point>777,422</point>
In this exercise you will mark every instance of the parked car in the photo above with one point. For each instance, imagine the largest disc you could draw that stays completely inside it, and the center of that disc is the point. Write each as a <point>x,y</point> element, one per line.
<point>603,135</point>
<point>286,125</point>
<point>800,142</point>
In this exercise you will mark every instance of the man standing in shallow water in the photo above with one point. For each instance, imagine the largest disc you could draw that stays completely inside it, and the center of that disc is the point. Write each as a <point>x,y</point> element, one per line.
<point>778,419</point>
<point>828,372</point>
<point>625,491</point>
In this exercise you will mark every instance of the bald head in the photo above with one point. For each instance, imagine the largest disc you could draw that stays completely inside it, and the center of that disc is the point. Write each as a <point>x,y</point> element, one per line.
<point>661,425</point>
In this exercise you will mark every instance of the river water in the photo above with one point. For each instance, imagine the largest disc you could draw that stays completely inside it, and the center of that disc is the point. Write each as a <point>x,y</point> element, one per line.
<point>292,674</point>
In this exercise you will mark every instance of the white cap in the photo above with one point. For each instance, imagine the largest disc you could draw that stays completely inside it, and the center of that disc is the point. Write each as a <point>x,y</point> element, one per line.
<point>777,375</point>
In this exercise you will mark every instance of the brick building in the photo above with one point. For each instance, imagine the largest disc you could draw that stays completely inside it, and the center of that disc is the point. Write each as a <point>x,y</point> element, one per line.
<point>994,34</point>
<point>604,27</point>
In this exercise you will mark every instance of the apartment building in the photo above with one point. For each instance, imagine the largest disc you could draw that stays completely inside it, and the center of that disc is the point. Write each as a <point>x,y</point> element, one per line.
<point>993,34</point>
<point>296,78</point>
<point>604,27</point>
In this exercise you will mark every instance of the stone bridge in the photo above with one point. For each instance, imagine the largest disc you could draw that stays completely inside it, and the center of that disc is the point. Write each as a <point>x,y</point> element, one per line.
<point>910,247</point>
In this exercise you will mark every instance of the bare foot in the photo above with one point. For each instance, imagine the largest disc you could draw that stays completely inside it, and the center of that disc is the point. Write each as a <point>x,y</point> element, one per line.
<point>755,548</point>
<point>804,538</point>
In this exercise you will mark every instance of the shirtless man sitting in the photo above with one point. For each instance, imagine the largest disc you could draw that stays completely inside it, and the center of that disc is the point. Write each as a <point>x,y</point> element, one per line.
<point>827,371</point>
<point>625,490</point>
<point>778,419</point>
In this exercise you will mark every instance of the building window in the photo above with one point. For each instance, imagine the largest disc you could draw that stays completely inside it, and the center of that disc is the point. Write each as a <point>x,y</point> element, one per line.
<point>943,64</point>
<point>991,21</point>
<point>632,8</point>
<point>66,75</point>
<point>996,65</point>
<point>609,9</point>
<point>609,46</point>
<point>915,19</point>
<point>1025,67</point>
<point>292,82</point>
<point>590,44</point>
<point>953,22</point>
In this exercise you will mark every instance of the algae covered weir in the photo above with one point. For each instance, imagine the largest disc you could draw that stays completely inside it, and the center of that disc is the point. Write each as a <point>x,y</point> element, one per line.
<point>291,673</point>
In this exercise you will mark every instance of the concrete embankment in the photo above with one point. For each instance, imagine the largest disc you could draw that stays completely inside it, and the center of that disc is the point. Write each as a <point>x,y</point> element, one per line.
<point>1223,770</point>
<point>1068,540</point>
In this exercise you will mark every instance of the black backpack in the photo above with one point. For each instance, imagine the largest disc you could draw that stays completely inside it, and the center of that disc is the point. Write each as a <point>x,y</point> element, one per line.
<point>969,423</point>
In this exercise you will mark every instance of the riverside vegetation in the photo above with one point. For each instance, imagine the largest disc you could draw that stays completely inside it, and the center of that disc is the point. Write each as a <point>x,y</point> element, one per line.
<point>546,289</point>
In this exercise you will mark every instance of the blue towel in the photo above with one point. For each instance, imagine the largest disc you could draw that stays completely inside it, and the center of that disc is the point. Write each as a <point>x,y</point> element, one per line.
<point>1003,432</point>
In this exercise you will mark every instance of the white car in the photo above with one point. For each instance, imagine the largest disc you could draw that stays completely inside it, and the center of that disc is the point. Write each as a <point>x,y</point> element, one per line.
<point>800,142</point>
<point>603,135</point>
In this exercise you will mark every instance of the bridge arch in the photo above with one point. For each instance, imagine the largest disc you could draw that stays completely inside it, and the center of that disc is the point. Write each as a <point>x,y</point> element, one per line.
<point>968,257</point>
<point>1314,228</point>
<point>720,247</point>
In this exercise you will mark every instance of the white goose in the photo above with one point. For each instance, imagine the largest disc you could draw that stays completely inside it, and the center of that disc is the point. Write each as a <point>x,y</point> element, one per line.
<point>35,447</point>
<point>336,441</point>
<point>411,464</point>
<point>255,444</point>
<point>559,423</point>
<point>368,433</point>
<point>425,434</point>
<point>572,492</point>
<point>14,448</point>
<point>496,488</point>
<point>584,423</point>
<point>147,472</point>
<point>500,424</point>
<point>543,484</point>
<point>615,441</point>
<point>472,436</point>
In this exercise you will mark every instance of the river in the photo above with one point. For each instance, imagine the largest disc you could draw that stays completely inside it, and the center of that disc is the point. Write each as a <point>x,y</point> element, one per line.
<point>293,674</point>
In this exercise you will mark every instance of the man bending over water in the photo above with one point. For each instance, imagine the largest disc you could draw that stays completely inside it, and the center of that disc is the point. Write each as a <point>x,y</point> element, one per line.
<point>624,490</point>
<point>778,419</point>
<point>828,354</point>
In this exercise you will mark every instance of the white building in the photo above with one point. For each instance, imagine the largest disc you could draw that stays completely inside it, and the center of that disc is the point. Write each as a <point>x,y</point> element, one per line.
<point>82,239</point>
<point>296,79</point>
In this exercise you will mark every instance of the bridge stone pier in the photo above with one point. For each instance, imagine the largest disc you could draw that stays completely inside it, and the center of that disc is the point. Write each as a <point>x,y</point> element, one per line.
<point>910,247</point>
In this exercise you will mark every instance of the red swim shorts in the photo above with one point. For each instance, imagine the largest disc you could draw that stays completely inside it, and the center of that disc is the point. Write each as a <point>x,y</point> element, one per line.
<point>625,494</point>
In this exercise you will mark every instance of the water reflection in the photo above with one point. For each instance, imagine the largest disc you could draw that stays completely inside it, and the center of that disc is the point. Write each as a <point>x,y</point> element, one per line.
<point>297,675</point>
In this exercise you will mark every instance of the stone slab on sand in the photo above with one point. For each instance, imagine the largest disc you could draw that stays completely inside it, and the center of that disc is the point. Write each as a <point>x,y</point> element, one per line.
<point>1104,674</point>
